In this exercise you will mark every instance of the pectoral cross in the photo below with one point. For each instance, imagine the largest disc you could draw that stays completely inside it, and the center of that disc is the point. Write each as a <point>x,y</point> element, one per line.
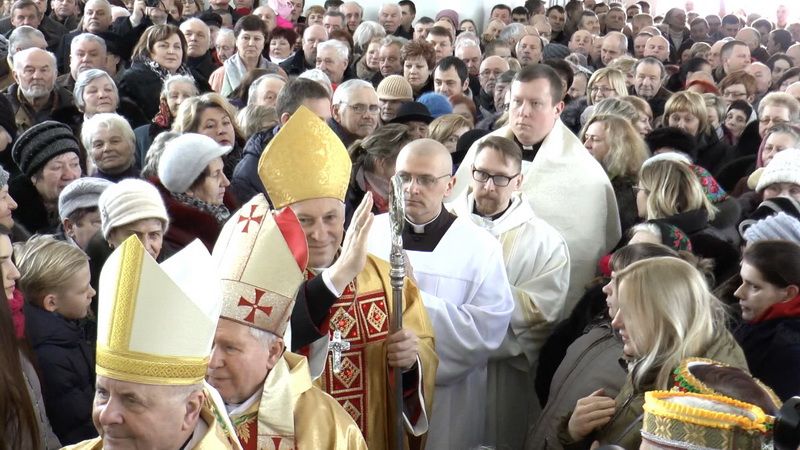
<point>336,347</point>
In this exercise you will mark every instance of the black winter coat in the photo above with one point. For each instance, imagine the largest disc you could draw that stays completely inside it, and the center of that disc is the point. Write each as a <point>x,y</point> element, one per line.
<point>245,182</point>
<point>66,363</point>
<point>143,86</point>
<point>772,349</point>
<point>31,213</point>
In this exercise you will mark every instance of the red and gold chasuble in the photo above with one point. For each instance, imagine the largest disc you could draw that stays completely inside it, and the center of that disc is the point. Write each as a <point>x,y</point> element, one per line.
<point>362,316</point>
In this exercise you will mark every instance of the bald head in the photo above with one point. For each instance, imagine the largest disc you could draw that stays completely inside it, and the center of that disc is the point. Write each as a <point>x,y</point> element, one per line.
<point>425,168</point>
<point>437,157</point>
<point>794,90</point>
<point>657,47</point>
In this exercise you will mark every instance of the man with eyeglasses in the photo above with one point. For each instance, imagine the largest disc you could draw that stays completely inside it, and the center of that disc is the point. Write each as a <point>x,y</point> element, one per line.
<point>459,269</point>
<point>563,184</point>
<point>537,263</point>
<point>355,111</point>
<point>490,70</point>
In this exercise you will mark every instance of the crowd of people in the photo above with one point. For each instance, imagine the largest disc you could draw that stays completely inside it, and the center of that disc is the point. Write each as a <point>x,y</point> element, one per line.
<point>600,225</point>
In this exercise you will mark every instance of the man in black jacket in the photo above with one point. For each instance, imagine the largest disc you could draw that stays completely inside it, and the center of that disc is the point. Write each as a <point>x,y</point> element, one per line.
<point>198,44</point>
<point>245,182</point>
<point>306,58</point>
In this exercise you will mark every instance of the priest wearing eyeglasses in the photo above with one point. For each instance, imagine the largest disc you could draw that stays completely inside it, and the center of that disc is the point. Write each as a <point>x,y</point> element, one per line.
<point>537,263</point>
<point>459,269</point>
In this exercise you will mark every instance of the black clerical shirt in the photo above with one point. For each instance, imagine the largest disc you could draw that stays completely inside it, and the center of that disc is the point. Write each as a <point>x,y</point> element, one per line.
<point>425,238</point>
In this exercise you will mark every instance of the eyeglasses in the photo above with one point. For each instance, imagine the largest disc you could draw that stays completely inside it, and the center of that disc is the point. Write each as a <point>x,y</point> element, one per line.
<point>773,120</point>
<point>498,180</point>
<point>604,90</point>
<point>360,108</point>
<point>638,189</point>
<point>424,181</point>
<point>734,94</point>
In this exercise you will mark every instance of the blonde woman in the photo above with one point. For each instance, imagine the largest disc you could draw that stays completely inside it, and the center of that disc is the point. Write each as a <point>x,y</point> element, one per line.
<point>687,110</point>
<point>670,191</point>
<point>619,148</point>
<point>210,114</point>
<point>644,121</point>
<point>665,313</point>
<point>56,285</point>
<point>447,129</point>
<point>604,83</point>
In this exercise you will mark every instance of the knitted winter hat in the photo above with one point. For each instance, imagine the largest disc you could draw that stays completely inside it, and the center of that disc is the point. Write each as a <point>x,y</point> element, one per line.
<point>395,87</point>
<point>769,208</point>
<point>185,158</point>
<point>450,15</point>
<point>671,138</point>
<point>784,168</point>
<point>81,193</point>
<point>437,104</point>
<point>4,176</point>
<point>128,201</point>
<point>780,226</point>
<point>41,143</point>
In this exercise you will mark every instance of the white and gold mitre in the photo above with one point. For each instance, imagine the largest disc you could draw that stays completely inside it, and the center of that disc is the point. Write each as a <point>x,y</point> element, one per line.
<point>260,256</point>
<point>156,323</point>
<point>305,160</point>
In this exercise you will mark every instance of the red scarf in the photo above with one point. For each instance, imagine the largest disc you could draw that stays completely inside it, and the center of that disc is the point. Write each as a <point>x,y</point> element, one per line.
<point>17,317</point>
<point>780,310</point>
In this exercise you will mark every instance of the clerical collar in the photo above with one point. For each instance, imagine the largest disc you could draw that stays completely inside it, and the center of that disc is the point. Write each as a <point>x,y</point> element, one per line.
<point>425,237</point>
<point>492,217</point>
<point>528,151</point>
<point>420,228</point>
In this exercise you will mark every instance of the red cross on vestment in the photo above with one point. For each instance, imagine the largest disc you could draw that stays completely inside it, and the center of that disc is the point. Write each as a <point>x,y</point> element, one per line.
<point>255,306</point>
<point>250,218</point>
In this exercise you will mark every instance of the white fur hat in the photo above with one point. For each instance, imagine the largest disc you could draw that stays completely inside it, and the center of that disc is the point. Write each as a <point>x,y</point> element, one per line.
<point>185,158</point>
<point>784,168</point>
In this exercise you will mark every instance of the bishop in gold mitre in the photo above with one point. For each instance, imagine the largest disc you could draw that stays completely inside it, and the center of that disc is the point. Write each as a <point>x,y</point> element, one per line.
<point>155,326</point>
<point>342,314</point>
<point>260,257</point>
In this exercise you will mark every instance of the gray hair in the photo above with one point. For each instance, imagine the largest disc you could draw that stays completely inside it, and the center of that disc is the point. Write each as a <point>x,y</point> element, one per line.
<point>88,37</point>
<point>392,5</point>
<point>105,3</point>
<point>264,338</point>
<point>621,38</point>
<point>512,31</point>
<point>195,19</point>
<point>345,89</point>
<point>22,54</point>
<point>393,40</point>
<point>154,153</point>
<point>172,79</point>
<point>653,61</point>
<point>365,33</point>
<point>466,42</point>
<point>224,32</point>
<point>86,77</point>
<point>107,121</point>
<point>338,46</point>
<point>320,77</point>
<point>251,92</point>
<point>465,37</point>
<point>22,37</point>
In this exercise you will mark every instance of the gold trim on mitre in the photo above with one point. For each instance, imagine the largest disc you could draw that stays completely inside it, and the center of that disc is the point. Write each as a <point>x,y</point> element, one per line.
<point>258,271</point>
<point>702,420</point>
<point>304,160</point>
<point>156,323</point>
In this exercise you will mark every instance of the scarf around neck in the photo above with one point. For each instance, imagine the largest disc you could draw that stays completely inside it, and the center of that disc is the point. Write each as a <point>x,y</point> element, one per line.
<point>235,70</point>
<point>220,212</point>
<point>162,72</point>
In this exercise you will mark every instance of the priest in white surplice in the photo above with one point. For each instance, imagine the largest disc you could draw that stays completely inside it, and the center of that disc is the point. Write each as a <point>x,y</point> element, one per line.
<point>537,263</point>
<point>459,268</point>
<point>564,184</point>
